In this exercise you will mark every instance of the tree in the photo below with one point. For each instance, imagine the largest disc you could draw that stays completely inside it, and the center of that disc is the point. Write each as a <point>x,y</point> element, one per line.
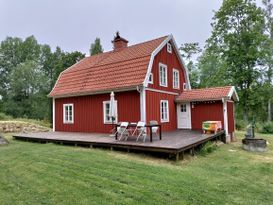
<point>238,36</point>
<point>188,50</point>
<point>96,47</point>
<point>268,10</point>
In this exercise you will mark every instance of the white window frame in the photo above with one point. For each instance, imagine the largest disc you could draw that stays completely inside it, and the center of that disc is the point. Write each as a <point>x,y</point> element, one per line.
<point>174,78</point>
<point>67,120</point>
<point>169,48</point>
<point>151,79</point>
<point>184,86</point>
<point>165,117</point>
<point>105,120</point>
<point>160,75</point>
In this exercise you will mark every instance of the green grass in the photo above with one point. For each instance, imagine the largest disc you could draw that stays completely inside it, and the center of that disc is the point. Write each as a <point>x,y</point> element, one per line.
<point>32,173</point>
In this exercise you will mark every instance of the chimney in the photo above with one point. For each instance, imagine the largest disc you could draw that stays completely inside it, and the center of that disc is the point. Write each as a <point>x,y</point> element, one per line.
<point>119,42</point>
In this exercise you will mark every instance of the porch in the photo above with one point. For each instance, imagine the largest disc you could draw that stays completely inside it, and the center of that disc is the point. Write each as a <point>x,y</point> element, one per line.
<point>173,143</point>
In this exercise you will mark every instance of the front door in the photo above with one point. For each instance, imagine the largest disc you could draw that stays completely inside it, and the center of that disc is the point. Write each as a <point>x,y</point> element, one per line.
<point>184,116</point>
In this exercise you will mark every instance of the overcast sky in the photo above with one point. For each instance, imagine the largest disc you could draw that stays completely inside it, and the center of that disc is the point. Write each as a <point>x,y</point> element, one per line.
<point>74,24</point>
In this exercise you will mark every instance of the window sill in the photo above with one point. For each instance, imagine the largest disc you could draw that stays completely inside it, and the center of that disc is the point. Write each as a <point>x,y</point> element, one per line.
<point>164,121</point>
<point>68,123</point>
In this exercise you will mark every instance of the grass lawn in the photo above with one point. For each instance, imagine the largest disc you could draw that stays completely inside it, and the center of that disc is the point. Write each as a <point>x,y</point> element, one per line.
<point>32,173</point>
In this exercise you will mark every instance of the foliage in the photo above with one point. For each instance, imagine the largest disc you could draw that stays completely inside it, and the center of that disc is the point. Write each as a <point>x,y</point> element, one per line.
<point>207,148</point>
<point>240,124</point>
<point>267,128</point>
<point>33,173</point>
<point>188,50</point>
<point>96,47</point>
<point>3,116</point>
<point>28,71</point>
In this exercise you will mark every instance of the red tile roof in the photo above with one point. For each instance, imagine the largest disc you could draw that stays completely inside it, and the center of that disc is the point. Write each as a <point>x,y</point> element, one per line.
<point>205,94</point>
<point>113,70</point>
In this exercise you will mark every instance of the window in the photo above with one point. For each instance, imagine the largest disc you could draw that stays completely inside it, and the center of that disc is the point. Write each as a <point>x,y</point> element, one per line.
<point>169,48</point>
<point>106,111</point>
<point>151,79</point>
<point>176,79</point>
<point>164,111</point>
<point>68,113</point>
<point>183,108</point>
<point>184,86</point>
<point>163,75</point>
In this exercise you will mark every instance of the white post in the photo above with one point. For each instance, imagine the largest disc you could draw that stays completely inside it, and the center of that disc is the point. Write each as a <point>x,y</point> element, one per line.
<point>226,120</point>
<point>143,105</point>
<point>53,114</point>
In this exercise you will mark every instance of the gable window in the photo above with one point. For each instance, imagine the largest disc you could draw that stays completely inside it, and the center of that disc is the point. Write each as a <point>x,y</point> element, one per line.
<point>175,79</point>
<point>183,108</point>
<point>68,113</point>
<point>164,111</point>
<point>106,111</point>
<point>151,79</point>
<point>169,47</point>
<point>163,75</point>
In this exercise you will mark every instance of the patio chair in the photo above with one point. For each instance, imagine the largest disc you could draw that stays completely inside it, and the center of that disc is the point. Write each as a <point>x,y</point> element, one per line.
<point>122,130</point>
<point>140,130</point>
<point>154,129</point>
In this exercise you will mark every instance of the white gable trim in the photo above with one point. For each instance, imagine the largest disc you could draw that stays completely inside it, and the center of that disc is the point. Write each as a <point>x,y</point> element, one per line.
<point>156,51</point>
<point>233,92</point>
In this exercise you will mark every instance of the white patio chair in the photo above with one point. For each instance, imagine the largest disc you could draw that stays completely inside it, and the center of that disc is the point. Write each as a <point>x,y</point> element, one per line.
<point>122,130</point>
<point>140,130</point>
<point>154,129</point>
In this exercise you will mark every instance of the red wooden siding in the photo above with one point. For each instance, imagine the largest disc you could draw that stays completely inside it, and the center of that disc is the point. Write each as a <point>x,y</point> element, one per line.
<point>153,109</point>
<point>231,126</point>
<point>206,111</point>
<point>171,60</point>
<point>88,111</point>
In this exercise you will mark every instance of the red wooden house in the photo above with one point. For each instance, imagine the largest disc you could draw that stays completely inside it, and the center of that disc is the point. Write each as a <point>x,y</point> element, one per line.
<point>150,82</point>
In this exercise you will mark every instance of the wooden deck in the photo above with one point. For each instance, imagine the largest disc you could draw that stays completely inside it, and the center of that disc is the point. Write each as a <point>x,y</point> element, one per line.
<point>174,143</point>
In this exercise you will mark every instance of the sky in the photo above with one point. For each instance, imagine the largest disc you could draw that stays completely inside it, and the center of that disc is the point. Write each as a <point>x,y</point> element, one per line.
<point>74,24</point>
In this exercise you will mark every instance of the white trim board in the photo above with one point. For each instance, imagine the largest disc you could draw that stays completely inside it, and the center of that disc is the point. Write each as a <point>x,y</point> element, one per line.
<point>53,115</point>
<point>161,91</point>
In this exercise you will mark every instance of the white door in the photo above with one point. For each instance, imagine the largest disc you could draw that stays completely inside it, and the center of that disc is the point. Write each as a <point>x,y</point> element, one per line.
<point>184,116</point>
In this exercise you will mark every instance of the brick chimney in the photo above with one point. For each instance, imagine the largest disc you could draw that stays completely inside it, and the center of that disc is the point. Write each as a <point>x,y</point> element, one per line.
<point>119,42</point>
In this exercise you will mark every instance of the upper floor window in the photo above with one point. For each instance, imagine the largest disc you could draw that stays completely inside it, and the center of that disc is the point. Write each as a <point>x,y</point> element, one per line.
<point>68,113</point>
<point>176,79</point>
<point>163,75</point>
<point>164,111</point>
<point>106,113</point>
<point>151,79</point>
<point>169,47</point>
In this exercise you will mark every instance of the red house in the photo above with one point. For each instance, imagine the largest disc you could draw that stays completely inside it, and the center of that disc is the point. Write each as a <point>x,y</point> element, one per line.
<point>150,82</point>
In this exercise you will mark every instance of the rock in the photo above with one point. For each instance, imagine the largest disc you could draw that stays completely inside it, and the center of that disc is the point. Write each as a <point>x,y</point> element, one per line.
<point>18,126</point>
<point>3,140</point>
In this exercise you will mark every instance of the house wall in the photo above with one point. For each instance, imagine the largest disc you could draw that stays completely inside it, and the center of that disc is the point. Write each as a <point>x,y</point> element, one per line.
<point>153,109</point>
<point>202,111</point>
<point>88,111</point>
<point>231,119</point>
<point>172,61</point>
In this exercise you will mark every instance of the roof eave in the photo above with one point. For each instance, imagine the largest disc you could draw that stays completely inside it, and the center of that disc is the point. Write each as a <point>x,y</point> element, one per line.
<point>135,87</point>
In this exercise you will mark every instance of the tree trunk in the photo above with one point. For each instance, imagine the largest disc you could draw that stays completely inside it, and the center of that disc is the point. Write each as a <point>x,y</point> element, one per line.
<point>269,118</point>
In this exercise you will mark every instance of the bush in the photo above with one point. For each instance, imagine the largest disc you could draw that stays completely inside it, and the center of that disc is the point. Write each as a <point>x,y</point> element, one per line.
<point>3,116</point>
<point>266,128</point>
<point>207,148</point>
<point>240,125</point>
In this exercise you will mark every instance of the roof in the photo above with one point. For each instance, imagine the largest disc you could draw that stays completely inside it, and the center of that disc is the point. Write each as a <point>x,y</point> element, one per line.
<point>114,70</point>
<point>206,94</point>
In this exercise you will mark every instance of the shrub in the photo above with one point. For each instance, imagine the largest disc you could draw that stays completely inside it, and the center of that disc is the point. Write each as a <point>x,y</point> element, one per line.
<point>240,125</point>
<point>267,128</point>
<point>207,148</point>
<point>3,116</point>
